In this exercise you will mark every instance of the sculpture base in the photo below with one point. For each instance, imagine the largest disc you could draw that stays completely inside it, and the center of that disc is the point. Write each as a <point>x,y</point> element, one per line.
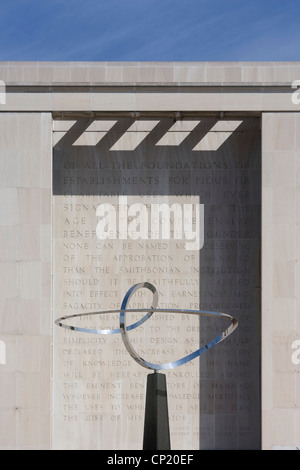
<point>156,426</point>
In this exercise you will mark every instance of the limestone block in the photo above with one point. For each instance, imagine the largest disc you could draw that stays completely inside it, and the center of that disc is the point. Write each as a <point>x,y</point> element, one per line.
<point>10,281</point>
<point>29,279</point>
<point>29,242</point>
<point>8,435</point>
<point>9,323</point>
<point>29,102</point>
<point>8,162</point>
<point>79,74</point>
<point>29,316</point>
<point>189,74</point>
<point>113,101</point>
<point>29,205</point>
<point>9,206</point>
<point>8,243</point>
<point>130,74</point>
<point>97,73</point>
<point>284,205</point>
<point>66,102</point>
<point>30,73</point>
<point>284,279</point>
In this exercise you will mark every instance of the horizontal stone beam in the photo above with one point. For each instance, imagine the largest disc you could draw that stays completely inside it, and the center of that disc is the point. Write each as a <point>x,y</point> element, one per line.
<point>152,100</point>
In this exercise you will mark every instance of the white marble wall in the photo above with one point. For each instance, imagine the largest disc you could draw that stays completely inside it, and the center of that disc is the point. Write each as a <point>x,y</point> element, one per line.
<point>149,72</point>
<point>25,218</point>
<point>280,279</point>
<point>25,272</point>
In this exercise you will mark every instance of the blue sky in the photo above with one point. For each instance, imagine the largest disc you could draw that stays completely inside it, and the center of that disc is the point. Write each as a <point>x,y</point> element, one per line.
<point>150,30</point>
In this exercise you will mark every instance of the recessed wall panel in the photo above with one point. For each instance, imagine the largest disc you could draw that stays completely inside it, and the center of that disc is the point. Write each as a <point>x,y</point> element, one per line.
<point>208,261</point>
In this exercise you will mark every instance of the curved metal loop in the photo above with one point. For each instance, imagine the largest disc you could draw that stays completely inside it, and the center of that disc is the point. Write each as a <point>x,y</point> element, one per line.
<point>111,331</point>
<point>183,360</point>
<point>124,329</point>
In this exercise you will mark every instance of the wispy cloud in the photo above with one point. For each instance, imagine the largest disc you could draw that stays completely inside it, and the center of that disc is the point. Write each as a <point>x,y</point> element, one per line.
<point>148,30</point>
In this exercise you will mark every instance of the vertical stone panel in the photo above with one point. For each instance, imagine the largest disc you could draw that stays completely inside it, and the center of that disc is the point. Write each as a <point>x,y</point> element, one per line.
<point>25,148</point>
<point>280,279</point>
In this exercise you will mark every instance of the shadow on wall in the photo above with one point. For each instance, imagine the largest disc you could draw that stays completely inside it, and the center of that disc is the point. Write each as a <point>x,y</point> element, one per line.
<point>219,161</point>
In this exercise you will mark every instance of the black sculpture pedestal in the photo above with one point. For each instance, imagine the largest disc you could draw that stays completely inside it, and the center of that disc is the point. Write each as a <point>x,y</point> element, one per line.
<point>156,426</point>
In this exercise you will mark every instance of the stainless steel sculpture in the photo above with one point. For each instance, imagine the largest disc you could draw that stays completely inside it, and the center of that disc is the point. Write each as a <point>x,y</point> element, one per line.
<point>156,427</point>
<point>124,328</point>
